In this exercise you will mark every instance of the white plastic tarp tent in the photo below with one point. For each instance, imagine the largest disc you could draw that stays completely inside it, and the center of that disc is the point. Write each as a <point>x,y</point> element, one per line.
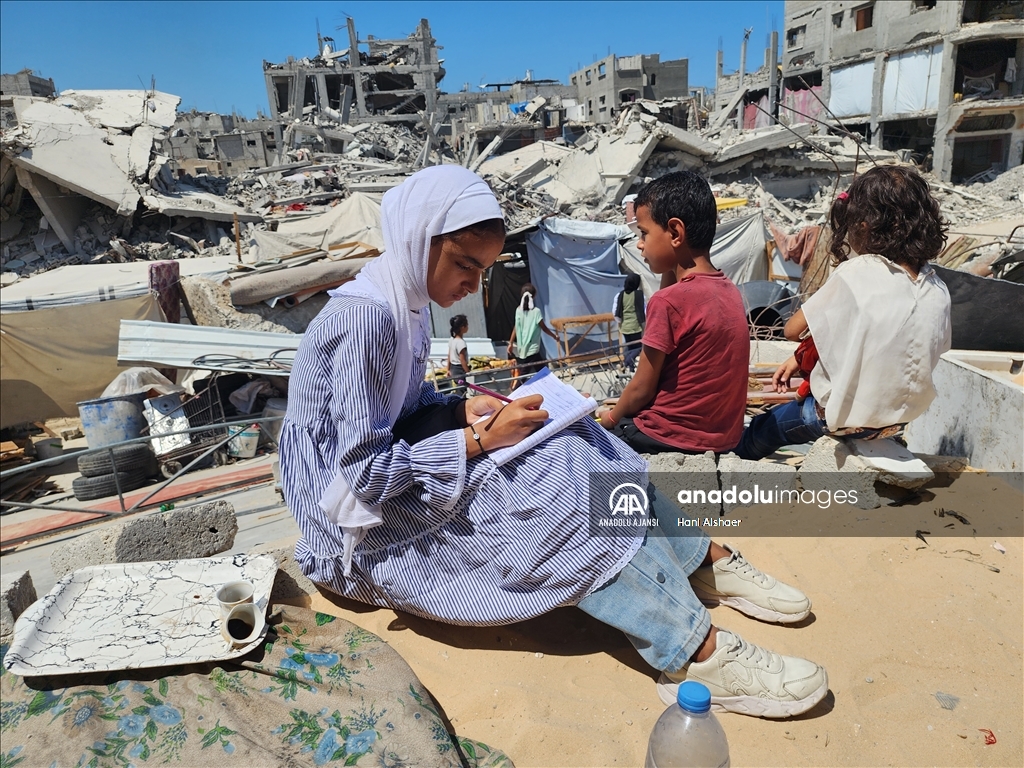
<point>912,81</point>
<point>851,89</point>
<point>575,266</point>
<point>357,219</point>
<point>738,250</point>
<point>85,283</point>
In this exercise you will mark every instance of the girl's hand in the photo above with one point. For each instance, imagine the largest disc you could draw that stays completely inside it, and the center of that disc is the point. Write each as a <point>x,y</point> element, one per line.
<point>605,422</point>
<point>479,406</point>
<point>780,381</point>
<point>515,421</point>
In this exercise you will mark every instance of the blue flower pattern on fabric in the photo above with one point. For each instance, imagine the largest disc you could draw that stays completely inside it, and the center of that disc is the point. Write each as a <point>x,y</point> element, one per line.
<point>165,715</point>
<point>132,725</point>
<point>360,742</point>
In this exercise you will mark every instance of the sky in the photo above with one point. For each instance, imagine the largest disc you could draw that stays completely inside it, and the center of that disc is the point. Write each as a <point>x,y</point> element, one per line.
<point>211,53</point>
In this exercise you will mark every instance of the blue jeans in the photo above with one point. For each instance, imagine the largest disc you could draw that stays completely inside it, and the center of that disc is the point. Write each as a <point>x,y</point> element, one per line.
<point>792,423</point>
<point>651,599</point>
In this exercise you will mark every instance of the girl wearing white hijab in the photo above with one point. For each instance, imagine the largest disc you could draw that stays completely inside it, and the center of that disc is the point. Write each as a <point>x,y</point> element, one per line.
<point>433,526</point>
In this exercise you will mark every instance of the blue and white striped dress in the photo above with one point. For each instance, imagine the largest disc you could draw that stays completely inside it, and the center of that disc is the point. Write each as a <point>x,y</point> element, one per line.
<point>462,541</point>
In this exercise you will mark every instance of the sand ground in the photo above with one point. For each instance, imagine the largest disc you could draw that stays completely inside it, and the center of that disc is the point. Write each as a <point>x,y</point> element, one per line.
<point>895,620</point>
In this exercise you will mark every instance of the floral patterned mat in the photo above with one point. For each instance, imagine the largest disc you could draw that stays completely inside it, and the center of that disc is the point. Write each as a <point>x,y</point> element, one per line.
<point>321,691</point>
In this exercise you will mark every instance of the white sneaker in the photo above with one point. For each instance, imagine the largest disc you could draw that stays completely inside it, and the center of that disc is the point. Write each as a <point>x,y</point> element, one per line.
<point>734,582</point>
<point>750,680</point>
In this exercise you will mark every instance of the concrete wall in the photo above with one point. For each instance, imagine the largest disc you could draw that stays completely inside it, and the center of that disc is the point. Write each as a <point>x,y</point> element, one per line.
<point>672,79</point>
<point>593,86</point>
<point>978,412</point>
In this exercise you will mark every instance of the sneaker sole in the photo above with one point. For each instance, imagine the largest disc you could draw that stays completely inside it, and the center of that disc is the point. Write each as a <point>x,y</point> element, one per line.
<point>743,605</point>
<point>755,706</point>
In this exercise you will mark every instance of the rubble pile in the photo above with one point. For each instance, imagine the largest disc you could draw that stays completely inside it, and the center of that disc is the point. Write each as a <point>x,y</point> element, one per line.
<point>128,205</point>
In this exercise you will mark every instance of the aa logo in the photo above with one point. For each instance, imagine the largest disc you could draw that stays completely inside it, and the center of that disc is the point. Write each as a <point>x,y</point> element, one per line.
<point>628,499</point>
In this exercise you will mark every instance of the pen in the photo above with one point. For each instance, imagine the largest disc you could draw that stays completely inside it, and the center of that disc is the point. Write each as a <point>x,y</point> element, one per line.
<point>486,391</point>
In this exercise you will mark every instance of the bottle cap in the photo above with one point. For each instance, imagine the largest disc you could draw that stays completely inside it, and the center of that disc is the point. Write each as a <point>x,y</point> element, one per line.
<point>694,697</point>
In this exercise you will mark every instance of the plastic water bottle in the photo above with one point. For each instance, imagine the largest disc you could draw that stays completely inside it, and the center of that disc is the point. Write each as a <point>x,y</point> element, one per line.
<point>688,735</point>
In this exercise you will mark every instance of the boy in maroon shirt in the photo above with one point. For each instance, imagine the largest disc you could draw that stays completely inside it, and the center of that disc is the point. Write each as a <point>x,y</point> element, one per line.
<point>690,387</point>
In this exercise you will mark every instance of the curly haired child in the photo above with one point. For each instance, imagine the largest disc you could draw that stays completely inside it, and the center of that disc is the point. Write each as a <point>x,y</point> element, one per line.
<point>879,323</point>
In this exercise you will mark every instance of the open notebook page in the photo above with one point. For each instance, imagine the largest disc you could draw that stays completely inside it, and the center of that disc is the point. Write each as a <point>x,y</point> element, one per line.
<point>564,406</point>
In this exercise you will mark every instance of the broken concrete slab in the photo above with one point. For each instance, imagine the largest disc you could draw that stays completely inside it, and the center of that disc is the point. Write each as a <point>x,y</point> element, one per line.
<point>189,201</point>
<point>830,466</point>
<point>620,162</point>
<point>67,149</point>
<point>671,137</point>
<point>764,140</point>
<point>736,474</point>
<point>18,594</point>
<point>199,531</point>
<point>895,464</point>
<point>123,110</point>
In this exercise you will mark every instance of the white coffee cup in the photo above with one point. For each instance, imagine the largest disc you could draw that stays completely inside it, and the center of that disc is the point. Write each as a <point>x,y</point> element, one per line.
<point>243,625</point>
<point>232,594</point>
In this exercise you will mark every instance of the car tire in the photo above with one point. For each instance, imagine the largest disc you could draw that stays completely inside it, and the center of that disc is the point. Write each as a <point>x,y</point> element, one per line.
<point>126,459</point>
<point>89,488</point>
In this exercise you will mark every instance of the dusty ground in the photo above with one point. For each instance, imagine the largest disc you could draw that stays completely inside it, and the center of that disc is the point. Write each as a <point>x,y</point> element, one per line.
<point>895,621</point>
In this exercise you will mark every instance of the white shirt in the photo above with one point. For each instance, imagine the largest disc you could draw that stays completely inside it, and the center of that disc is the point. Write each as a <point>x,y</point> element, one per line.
<point>455,346</point>
<point>879,334</point>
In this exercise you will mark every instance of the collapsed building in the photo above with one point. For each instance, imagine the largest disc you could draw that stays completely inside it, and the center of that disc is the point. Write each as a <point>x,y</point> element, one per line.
<point>944,79</point>
<point>289,203</point>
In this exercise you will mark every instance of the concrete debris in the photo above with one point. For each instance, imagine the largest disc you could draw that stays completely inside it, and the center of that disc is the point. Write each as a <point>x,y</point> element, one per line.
<point>199,531</point>
<point>18,594</point>
<point>350,123</point>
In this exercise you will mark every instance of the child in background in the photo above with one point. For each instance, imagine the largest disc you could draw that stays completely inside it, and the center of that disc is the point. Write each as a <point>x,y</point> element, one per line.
<point>458,363</point>
<point>628,309</point>
<point>690,387</point>
<point>879,323</point>
<point>525,341</point>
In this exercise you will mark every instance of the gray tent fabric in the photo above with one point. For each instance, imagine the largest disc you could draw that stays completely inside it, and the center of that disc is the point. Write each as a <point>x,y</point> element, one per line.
<point>575,266</point>
<point>738,250</point>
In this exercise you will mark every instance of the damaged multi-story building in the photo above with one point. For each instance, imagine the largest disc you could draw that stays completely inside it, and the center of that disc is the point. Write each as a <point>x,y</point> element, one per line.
<point>368,81</point>
<point>220,145</point>
<point>605,87</point>
<point>944,79</point>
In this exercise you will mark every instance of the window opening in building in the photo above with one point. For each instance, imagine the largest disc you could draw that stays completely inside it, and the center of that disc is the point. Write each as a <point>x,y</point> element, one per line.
<point>601,100</point>
<point>795,37</point>
<point>924,5</point>
<point>601,70</point>
<point>837,20</point>
<point>864,17</point>
<point>654,79</point>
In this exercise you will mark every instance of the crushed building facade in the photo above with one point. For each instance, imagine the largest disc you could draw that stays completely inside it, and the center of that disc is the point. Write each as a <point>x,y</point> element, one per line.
<point>939,78</point>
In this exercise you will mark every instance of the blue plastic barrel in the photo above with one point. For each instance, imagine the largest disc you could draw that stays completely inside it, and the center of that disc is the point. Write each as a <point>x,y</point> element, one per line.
<point>112,420</point>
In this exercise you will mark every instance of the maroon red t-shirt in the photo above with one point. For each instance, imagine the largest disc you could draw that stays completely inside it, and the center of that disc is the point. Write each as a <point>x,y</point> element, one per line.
<point>701,326</point>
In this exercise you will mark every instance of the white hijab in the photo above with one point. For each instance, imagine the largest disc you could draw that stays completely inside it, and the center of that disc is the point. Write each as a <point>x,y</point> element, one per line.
<point>434,201</point>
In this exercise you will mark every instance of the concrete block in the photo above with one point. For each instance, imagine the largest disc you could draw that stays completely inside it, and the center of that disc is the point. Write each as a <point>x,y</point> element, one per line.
<point>829,465</point>
<point>672,473</point>
<point>752,476</point>
<point>290,581</point>
<point>894,463</point>
<point>199,531</point>
<point>18,594</point>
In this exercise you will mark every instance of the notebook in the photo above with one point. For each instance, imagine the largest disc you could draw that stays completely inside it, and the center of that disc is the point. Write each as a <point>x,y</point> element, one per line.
<point>564,406</point>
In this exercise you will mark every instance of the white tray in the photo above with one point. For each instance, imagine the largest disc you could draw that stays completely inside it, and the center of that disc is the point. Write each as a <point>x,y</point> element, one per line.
<point>135,616</point>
